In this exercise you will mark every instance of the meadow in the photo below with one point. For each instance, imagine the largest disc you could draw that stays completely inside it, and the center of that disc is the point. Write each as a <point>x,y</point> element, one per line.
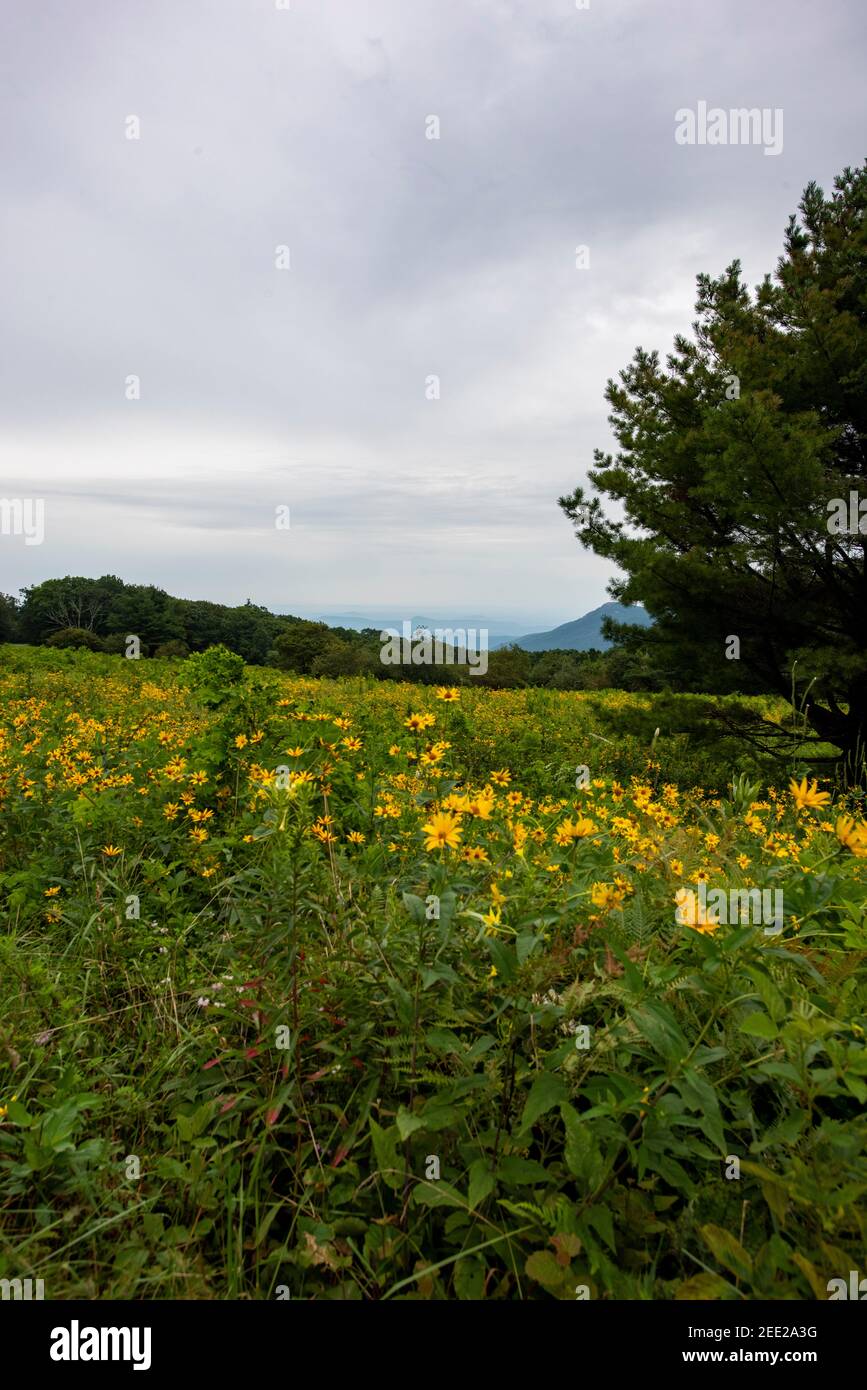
<point>344,989</point>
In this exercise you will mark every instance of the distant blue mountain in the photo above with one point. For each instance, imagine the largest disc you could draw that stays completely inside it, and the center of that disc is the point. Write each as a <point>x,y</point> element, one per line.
<point>501,630</point>
<point>583,633</point>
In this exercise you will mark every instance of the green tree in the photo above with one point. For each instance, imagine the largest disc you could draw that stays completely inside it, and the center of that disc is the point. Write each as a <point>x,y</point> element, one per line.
<point>9,621</point>
<point>299,645</point>
<point>730,460</point>
<point>251,630</point>
<point>507,668</point>
<point>72,602</point>
<point>147,612</point>
<point>344,659</point>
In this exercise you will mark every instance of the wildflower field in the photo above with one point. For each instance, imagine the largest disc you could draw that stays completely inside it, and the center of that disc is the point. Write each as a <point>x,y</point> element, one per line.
<point>354,990</point>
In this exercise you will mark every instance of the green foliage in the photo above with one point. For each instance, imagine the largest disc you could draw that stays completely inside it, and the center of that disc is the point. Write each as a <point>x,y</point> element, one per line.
<point>731,459</point>
<point>285,1072</point>
<point>9,624</point>
<point>110,609</point>
<point>299,646</point>
<point>509,667</point>
<point>75,637</point>
<point>213,672</point>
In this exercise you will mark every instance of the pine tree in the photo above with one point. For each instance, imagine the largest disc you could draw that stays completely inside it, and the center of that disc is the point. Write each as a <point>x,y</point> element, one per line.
<point>734,465</point>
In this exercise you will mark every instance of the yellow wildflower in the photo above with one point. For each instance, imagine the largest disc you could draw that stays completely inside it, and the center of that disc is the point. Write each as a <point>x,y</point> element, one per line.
<point>443,831</point>
<point>808,796</point>
<point>691,912</point>
<point>853,836</point>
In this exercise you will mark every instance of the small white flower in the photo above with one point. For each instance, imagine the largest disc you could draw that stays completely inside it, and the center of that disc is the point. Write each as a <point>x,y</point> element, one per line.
<point>203,1002</point>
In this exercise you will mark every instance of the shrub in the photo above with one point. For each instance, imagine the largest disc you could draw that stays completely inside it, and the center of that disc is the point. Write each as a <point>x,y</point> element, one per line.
<point>213,672</point>
<point>173,648</point>
<point>76,637</point>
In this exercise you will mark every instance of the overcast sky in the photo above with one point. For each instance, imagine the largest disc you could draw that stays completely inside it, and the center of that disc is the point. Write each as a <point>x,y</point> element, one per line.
<point>409,258</point>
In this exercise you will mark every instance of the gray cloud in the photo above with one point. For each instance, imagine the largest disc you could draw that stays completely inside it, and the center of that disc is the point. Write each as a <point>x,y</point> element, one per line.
<point>409,257</point>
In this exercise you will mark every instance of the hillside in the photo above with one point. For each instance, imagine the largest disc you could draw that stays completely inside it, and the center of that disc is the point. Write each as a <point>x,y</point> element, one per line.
<point>582,634</point>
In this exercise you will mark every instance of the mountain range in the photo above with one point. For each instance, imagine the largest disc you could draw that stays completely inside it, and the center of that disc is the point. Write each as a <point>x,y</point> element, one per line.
<point>581,634</point>
<point>499,630</point>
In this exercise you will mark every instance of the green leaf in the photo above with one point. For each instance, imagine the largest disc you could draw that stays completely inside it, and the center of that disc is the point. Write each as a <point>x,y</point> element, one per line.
<point>436,1116</point>
<point>433,975</point>
<point>582,1152</point>
<point>659,1026</point>
<point>701,1096</point>
<point>525,945</point>
<point>438,1194</point>
<point>546,1091</point>
<point>387,1160</point>
<point>758,1025</point>
<point>812,1275</point>
<point>481,1182</point>
<point>768,993</point>
<point>403,1003</point>
<point>469,1279</point>
<point>784,1069</point>
<point>407,1123</point>
<point>480,1046</point>
<point>59,1123</point>
<point>543,1267</point>
<point>519,1172</point>
<point>702,1286</point>
<point>443,1040</point>
<point>728,1251</point>
<point>652,1160</point>
<point>415,908</point>
<point>601,1220</point>
<point>18,1115</point>
<point>171,1168</point>
<point>36,1157</point>
<point>503,957</point>
<point>631,976</point>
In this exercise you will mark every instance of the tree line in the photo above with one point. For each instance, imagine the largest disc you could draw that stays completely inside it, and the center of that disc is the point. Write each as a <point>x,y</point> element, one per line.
<point>100,614</point>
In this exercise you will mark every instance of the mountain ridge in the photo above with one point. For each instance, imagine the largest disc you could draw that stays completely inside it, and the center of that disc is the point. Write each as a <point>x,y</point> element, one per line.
<point>581,634</point>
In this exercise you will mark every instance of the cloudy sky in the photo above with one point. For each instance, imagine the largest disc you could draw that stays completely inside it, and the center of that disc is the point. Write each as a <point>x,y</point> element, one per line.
<point>310,386</point>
